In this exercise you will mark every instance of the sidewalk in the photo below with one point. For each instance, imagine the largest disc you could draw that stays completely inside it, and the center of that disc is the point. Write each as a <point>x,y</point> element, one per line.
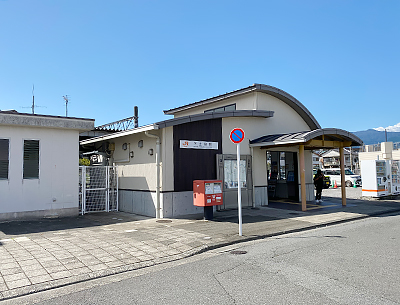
<point>49,253</point>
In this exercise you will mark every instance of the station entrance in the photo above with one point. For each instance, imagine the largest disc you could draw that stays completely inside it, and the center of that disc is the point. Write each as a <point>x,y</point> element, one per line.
<point>282,175</point>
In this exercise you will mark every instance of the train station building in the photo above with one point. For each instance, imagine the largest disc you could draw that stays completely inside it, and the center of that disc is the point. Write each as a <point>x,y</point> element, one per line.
<point>158,163</point>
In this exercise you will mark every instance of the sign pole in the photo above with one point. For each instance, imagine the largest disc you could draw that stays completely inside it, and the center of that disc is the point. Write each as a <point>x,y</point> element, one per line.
<point>237,136</point>
<point>239,190</point>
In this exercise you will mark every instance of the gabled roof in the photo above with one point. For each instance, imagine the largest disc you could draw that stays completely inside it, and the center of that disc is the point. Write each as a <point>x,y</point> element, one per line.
<point>335,153</point>
<point>280,94</point>
<point>319,138</point>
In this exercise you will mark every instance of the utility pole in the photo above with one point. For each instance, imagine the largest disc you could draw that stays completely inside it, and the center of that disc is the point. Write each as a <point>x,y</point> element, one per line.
<point>66,99</point>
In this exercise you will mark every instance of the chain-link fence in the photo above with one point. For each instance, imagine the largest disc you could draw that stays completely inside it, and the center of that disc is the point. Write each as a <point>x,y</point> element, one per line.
<point>98,189</point>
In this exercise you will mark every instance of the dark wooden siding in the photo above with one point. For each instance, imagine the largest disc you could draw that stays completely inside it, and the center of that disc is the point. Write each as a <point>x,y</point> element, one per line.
<point>196,164</point>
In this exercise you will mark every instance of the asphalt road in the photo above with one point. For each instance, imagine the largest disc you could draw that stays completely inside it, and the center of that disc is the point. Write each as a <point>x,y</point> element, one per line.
<point>351,192</point>
<point>351,263</point>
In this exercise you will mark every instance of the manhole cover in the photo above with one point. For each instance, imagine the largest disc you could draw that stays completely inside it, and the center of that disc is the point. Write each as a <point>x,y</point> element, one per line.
<point>163,220</point>
<point>238,252</point>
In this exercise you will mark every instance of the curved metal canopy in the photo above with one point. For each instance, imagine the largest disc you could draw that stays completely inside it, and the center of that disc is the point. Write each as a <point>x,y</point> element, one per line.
<point>314,139</point>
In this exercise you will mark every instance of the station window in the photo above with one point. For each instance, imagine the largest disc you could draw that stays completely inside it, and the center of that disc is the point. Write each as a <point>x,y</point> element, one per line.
<point>4,158</point>
<point>230,174</point>
<point>31,159</point>
<point>231,107</point>
<point>282,166</point>
<point>276,165</point>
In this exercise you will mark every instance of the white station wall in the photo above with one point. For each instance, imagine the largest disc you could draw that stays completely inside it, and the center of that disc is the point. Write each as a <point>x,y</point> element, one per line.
<point>56,190</point>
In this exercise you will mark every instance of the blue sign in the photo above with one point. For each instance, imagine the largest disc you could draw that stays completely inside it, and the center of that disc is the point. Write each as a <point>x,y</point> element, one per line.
<point>237,135</point>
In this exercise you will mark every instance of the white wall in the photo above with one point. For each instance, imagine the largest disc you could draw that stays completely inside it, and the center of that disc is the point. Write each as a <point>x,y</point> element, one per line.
<point>259,167</point>
<point>396,154</point>
<point>140,155</point>
<point>139,172</point>
<point>167,159</point>
<point>254,127</point>
<point>374,155</point>
<point>138,176</point>
<point>57,186</point>
<point>285,118</point>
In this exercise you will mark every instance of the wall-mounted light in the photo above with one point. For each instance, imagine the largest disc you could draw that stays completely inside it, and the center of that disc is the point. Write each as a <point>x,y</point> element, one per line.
<point>150,152</point>
<point>140,144</point>
<point>124,146</point>
<point>131,154</point>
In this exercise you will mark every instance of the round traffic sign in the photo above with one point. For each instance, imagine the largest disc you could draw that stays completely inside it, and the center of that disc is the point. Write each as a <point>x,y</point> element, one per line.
<point>237,135</point>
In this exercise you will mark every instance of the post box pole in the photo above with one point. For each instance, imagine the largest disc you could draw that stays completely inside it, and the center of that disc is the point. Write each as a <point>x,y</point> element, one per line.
<point>239,190</point>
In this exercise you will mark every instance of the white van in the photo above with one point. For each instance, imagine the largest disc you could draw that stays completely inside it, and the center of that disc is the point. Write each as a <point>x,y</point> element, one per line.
<point>350,178</point>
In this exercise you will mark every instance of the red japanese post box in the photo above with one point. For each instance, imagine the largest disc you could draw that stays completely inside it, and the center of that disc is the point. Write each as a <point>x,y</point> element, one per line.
<point>207,193</point>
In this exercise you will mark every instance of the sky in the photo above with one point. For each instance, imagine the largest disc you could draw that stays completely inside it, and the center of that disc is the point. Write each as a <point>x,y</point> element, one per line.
<point>339,58</point>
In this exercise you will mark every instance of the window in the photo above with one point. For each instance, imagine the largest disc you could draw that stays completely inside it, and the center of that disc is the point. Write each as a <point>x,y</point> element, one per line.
<point>231,107</point>
<point>230,174</point>
<point>4,155</point>
<point>348,172</point>
<point>282,166</point>
<point>31,159</point>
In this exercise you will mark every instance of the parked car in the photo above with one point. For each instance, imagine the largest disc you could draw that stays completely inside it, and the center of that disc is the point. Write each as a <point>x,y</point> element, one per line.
<point>351,179</point>
<point>327,180</point>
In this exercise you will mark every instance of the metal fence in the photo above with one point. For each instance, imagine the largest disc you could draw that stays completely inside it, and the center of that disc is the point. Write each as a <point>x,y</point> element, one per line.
<point>98,189</point>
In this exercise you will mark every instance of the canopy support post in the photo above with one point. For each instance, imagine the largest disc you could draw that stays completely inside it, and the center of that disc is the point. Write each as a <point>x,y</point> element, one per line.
<point>342,176</point>
<point>302,179</point>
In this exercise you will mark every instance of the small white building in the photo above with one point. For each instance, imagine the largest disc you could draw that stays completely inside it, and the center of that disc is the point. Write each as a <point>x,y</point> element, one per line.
<point>331,159</point>
<point>39,162</point>
<point>157,163</point>
<point>382,151</point>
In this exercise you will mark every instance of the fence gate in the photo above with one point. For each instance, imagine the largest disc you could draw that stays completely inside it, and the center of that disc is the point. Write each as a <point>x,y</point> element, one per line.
<point>98,189</point>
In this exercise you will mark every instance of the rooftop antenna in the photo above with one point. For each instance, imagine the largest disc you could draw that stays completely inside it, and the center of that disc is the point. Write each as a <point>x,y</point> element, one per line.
<point>33,101</point>
<point>66,99</point>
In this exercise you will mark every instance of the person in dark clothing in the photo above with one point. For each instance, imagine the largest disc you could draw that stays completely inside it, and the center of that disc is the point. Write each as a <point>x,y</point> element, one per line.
<point>319,183</point>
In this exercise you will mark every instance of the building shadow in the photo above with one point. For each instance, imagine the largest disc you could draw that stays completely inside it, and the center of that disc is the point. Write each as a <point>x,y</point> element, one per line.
<point>66,223</point>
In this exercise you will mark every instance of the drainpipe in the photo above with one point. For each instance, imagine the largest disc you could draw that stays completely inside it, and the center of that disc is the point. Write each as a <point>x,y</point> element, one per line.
<point>158,200</point>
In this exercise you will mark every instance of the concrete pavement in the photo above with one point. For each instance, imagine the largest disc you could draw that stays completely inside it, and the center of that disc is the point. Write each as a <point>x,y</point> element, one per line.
<point>40,255</point>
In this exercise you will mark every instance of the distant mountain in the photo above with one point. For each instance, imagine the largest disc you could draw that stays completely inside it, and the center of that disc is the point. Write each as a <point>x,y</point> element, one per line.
<point>394,128</point>
<point>372,136</point>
